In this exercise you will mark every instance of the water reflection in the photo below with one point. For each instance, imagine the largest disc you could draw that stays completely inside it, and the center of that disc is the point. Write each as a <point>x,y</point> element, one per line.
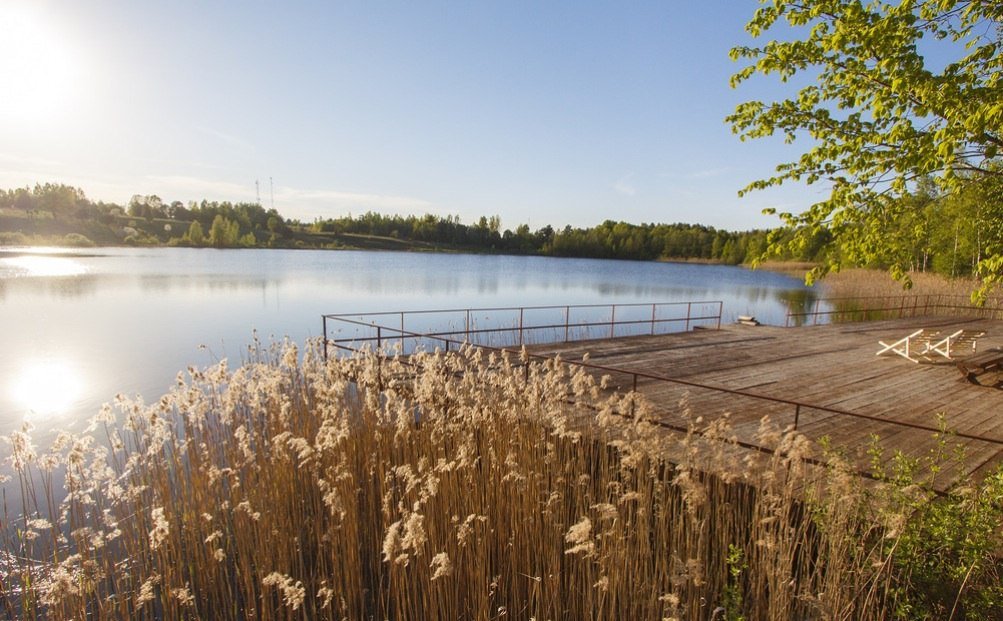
<point>131,318</point>
<point>45,386</point>
<point>798,302</point>
<point>33,265</point>
<point>219,283</point>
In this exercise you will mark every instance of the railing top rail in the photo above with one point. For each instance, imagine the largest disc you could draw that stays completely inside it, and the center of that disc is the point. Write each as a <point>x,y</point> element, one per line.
<point>516,308</point>
<point>911,303</point>
<point>407,334</point>
<point>896,296</point>
<point>906,296</point>
<point>692,384</point>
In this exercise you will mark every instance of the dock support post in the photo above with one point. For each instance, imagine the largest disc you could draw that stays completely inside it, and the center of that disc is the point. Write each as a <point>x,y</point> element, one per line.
<point>324,321</point>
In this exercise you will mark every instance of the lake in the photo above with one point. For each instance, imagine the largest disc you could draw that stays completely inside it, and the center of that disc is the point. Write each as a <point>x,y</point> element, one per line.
<point>81,326</point>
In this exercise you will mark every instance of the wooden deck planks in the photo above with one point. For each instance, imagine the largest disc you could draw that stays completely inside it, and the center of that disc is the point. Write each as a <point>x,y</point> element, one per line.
<point>831,366</point>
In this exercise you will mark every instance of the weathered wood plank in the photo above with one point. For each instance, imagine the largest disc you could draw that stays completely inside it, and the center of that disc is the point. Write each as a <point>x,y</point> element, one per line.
<point>831,366</point>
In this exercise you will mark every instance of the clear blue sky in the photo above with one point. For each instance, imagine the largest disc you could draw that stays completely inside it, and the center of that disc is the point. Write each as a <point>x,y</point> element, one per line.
<point>541,113</point>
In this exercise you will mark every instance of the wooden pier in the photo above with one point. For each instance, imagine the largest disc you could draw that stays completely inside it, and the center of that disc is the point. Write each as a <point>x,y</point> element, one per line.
<point>825,379</point>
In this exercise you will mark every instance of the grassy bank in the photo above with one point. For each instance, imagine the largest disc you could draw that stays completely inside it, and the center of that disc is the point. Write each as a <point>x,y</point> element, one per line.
<point>863,283</point>
<point>468,487</point>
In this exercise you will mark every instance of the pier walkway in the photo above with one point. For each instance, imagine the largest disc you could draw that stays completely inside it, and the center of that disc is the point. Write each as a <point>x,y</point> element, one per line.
<point>824,379</point>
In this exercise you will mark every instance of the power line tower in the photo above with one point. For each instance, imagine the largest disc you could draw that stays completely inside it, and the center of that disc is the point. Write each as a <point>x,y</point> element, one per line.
<point>257,192</point>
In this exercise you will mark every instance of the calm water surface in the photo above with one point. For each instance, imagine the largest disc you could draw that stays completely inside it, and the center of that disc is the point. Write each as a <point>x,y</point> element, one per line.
<point>79,328</point>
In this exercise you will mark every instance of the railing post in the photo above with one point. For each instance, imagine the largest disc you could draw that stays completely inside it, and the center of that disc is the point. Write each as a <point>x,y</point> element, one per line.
<point>652,320</point>
<point>567,322</point>
<point>467,327</point>
<point>402,334</point>
<point>720,311</point>
<point>521,311</point>
<point>815,318</point>
<point>689,305</point>
<point>379,338</point>
<point>324,321</point>
<point>612,321</point>
<point>797,416</point>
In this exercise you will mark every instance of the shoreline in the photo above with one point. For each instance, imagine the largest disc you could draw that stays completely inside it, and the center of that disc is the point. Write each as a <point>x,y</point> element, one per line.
<point>74,251</point>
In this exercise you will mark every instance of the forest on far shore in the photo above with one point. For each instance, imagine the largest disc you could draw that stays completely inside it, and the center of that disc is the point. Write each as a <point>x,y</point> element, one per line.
<point>945,235</point>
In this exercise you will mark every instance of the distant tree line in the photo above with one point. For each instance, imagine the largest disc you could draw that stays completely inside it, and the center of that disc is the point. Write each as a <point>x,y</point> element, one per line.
<point>609,240</point>
<point>947,233</point>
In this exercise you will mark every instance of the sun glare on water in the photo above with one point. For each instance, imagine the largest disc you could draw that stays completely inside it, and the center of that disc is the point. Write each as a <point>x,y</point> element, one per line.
<point>46,386</point>
<point>37,265</point>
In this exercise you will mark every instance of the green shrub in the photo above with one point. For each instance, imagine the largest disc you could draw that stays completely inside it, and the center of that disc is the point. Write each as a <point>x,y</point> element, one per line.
<point>15,238</point>
<point>77,240</point>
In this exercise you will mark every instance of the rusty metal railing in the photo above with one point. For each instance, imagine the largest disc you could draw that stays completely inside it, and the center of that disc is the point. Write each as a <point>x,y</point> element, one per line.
<point>386,335</point>
<point>515,326</point>
<point>848,309</point>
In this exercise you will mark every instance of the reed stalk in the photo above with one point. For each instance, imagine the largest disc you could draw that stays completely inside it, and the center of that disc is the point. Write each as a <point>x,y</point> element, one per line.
<point>441,486</point>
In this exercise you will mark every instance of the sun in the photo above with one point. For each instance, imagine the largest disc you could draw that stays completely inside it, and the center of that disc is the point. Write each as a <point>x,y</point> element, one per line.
<point>39,68</point>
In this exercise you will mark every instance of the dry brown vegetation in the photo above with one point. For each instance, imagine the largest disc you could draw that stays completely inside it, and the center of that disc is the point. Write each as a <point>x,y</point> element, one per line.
<point>459,486</point>
<point>862,283</point>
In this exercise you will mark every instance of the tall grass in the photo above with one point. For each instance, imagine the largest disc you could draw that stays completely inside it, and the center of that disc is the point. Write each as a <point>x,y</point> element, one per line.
<point>863,283</point>
<point>867,295</point>
<point>449,486</point>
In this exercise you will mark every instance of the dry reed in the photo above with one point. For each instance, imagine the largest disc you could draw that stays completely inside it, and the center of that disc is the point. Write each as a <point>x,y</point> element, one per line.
<point>448,486</point>
<point>863,283</point>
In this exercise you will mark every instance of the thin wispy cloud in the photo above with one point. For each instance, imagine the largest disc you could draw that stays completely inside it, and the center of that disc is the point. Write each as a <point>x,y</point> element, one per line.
<point>624,185</point>
<point>227,138</point>
<point>192,188</point>
<point>10,159</point>
<point>705,173</point>
<point>356,199</point>
<point>307,204</point>
<point>289,201</point>
<point>708,173</point>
